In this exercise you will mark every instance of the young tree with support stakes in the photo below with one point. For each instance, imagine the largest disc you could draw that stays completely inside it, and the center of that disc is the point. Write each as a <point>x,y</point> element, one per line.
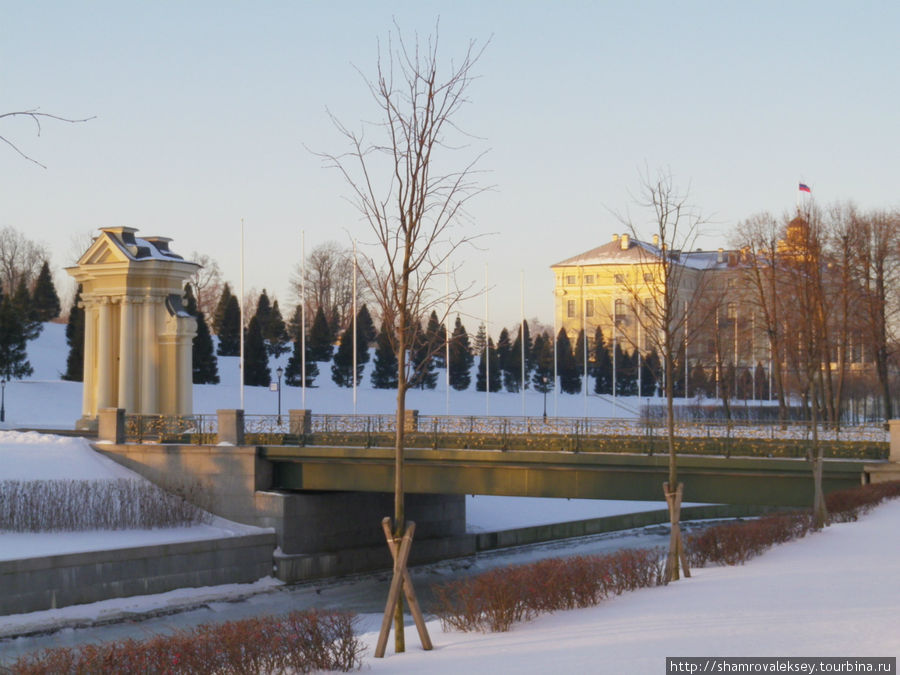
<point>401,179</point>
<point>658,294</point>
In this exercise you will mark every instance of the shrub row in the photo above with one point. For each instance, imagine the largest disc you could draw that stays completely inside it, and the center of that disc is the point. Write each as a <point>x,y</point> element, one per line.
<point>300,642</point>
<point>493,601</point>
<point>71,505</point>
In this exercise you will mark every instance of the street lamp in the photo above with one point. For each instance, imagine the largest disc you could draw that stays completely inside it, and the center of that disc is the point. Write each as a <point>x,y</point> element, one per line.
<point>544,380</point>
<point>279,372</point>
<point>2,399</point>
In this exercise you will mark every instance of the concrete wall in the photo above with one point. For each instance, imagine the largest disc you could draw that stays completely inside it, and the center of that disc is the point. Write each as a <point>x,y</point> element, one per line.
<point>35,584</point>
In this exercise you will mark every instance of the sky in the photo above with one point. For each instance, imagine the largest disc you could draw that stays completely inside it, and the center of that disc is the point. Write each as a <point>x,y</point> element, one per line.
<point>208,113</point>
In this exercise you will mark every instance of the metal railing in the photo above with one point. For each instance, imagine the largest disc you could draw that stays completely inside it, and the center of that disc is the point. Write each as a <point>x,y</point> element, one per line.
<point>197,429</point>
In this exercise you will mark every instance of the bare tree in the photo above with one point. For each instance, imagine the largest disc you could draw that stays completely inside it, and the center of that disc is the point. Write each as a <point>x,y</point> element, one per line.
<point>660,296</point>
<point>329,284</point>
<point>20,258</point>
<point>206,282</point>
<point>36,117</point>
<point>878,270</point>
<point>402,182</point>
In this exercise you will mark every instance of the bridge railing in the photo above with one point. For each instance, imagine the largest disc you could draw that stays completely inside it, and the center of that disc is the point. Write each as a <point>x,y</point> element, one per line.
<point>199,429</point>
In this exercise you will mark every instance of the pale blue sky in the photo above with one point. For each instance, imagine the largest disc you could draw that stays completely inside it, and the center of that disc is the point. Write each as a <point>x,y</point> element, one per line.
<point>204,108</point>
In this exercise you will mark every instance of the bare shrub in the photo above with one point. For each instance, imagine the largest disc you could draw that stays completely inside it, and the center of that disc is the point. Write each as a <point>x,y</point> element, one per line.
<point>73,505</point>
<point>495,600</point>
<point>848,505</point>
<point>300,642</point>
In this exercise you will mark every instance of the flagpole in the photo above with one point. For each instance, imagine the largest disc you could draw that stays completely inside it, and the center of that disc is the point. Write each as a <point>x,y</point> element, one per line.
<point>522,332</point>
<point>447,335</point>
<point>555,372</point>
<point>354,326</point>
<point>487,350</point>
<point>687,363</point>
<point>241,361</point>
<point>584,345</point>
<point>303,319</point>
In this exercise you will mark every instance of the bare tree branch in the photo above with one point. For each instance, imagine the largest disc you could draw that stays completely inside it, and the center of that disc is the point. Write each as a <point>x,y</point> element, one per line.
<point>36,116</point>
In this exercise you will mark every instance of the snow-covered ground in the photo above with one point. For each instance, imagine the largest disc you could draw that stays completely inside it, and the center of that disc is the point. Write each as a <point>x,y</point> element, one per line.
<point>835,593</point>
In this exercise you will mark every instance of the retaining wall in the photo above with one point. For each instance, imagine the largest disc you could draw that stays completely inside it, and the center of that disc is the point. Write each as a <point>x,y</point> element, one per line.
<point>35,584</point>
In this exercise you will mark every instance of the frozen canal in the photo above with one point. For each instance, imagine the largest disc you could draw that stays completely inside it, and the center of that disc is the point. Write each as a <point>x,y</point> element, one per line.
<point>363,594</point>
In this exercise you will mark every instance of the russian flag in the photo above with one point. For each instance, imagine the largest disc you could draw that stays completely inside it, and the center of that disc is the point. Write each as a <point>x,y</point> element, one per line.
<point>804,188</point>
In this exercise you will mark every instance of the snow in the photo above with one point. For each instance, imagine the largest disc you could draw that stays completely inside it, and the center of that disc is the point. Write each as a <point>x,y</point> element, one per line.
<point>486,513</point>
<point>830,594</point>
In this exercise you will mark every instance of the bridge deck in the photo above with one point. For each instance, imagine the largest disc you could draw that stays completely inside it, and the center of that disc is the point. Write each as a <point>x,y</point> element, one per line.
<point>735,480</point>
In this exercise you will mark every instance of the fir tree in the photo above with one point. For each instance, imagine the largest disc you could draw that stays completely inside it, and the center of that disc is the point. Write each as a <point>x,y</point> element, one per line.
<point>44,298</point>
<point>436,338</point>
<point>626,372</point>
<point>229,330</point>
<point>579,353</point>
<point>762,382</point>
<point>461,358</point>
<point>293,326</point>
<point>542,376</point>
<point>293,374</point>
<point>205,366</point>
<point>602,364</point>
<point>75,340</point>
<point>384,371</point>
<point>365,329</point>
<point>21,302</point>
<point>13,354</point>
<point>504,351</point>
<point>263,311</point>
<point>569,375</point>
<point>320,338</point>
<point>651,374</point>
<point>342,365</point>
<point>219,313</point>
<point>699,382</point>
<point>256,363</point>
<point>513,376</point>
<point>479,340</point>
<point>422,361</point>
<point>495,379</point>
<point>275,332</point>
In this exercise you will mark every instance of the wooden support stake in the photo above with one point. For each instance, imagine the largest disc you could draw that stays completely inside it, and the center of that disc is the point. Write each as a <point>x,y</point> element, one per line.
<point>676,543</point>
<point>401,580</point>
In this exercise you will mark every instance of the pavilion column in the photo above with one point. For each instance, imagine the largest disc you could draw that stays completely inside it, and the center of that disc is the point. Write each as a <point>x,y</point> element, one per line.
<point>149,359</point>
<point>127,356</point>
<point>89,399</point>
<point>104,356</point>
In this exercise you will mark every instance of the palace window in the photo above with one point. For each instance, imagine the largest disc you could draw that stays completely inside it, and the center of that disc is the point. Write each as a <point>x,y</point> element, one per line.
<point>648,277</point>
<point>570,309</point>
<point>588,278</point>
<point>620,278</point>
<point>570,280</point>
<point>589,308</point>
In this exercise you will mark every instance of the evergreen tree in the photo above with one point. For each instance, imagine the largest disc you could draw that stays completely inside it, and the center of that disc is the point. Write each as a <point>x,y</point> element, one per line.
<point>461,358</point>
<point>293,326</point>
<point>229,330</point>
<point>569,375</point>
<point>436,338</point>
<point>13,354</point>
<point>21,302</point>
<point>365,329</point>
<point>651,374</point>
<point>256,363</point>
<point>422,361</point>
<point>626,372</point>
<point>275,332</point>
<point>263,312</point>
<point>342,365</point>
<point>602,364</point>
<point>219,313</point>
<point>699,382</point>
<point>479,340</point>
<point>384,371</point>
<point>320,339</point>
<point>542,376</point>
<point>293,374</point>
<point>75,340</point>
<point>494,363</point>
<point>578,348</point>
<point>44,298</point>
<point>678,381</point>
<point>504,351</point>
<point>512,378</point>
<point>762,382</point>
<point>203,358</point>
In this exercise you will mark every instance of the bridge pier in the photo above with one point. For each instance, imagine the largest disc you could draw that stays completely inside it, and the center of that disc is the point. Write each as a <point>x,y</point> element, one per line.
<point>318,533</point>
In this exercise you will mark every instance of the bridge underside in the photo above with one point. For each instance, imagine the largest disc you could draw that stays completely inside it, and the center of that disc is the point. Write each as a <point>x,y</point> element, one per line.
<point>719,480</point>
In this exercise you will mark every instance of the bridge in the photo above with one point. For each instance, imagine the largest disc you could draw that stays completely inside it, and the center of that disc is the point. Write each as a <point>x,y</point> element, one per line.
<point>560,474</point>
